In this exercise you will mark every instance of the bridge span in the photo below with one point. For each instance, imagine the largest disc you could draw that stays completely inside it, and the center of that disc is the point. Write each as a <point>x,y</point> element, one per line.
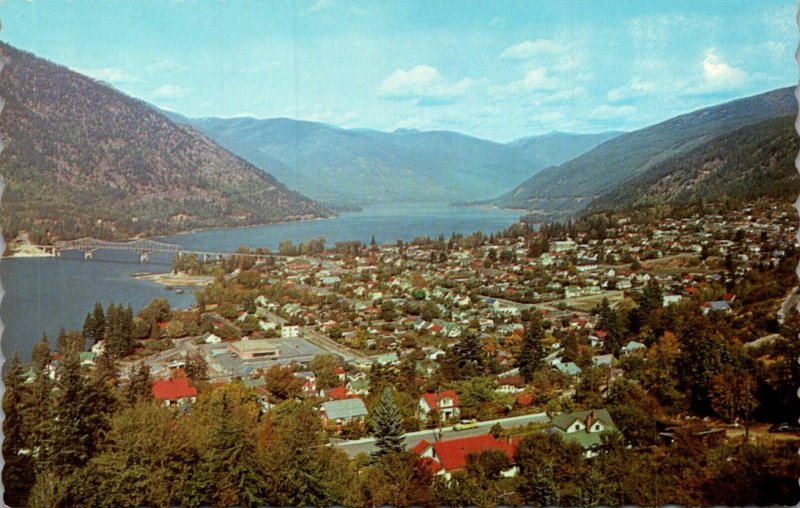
<point>142,247</point>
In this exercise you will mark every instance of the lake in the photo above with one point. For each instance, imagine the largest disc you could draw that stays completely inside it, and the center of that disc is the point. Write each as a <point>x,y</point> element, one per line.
<point>44,294</point>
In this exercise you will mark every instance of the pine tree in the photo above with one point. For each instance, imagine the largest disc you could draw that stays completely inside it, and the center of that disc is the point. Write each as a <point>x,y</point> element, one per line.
<point>89,329</point>
<point>469,356</point>
<point>532,352</point>
<point>40,354</point>
<point>386,425</point>
<point>18,469</point>
<point>99,320</point>
<point>611,321</point>
<point>140,385</point>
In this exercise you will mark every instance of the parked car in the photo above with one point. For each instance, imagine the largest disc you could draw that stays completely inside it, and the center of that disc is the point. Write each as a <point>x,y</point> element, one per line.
<point>785,427</point>
<point>465,424</point>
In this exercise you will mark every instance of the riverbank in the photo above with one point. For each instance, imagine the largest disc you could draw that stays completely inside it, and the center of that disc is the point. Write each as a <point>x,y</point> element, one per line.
<point>24,250</point>
<point>175,280</point>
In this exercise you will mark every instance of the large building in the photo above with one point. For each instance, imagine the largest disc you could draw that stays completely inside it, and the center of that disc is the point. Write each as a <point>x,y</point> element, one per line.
<point>255,349</point>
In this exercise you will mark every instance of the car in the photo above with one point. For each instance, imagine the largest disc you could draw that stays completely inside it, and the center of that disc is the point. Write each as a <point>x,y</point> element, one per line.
<point>465,424</point>
<point>784,427</point>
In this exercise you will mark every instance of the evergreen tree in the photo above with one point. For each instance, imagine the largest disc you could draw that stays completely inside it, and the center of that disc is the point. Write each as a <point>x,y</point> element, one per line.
<point>40,354</point>
<point>469,356</point>
<point>140,385</point>
<point>611,321</point>
<point>18,474</point>
<point>386,425</point>
<point>99,320</point>
<point>89,329</point>
<point>532,353</point>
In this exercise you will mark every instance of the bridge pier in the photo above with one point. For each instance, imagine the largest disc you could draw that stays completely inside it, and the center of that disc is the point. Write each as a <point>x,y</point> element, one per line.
<point>88,254</point>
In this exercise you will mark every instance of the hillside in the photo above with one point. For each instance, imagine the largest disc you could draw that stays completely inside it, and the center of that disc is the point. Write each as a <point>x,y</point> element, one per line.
<point>562,190</point>
<point>753,162</point>
<point>83,159</point>
<point>558,147</point>
<point>362,166</point>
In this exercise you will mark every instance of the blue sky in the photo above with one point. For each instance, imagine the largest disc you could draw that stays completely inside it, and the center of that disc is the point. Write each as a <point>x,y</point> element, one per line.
<point>494,69</point>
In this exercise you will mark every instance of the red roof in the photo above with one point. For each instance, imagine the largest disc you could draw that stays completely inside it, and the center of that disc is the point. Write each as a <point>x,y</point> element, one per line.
<point>173,389</point>
<point>600,334</point>
<point>421,447</point>
<point>338,393</point>
<point>453,454</point>
<point>430,465</point>
<point>432,399</point>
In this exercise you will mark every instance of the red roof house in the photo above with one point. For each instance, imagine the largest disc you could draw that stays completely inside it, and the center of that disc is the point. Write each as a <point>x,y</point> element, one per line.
<point>452,454</point>
<point>173,391</point>
<point>445,403</point>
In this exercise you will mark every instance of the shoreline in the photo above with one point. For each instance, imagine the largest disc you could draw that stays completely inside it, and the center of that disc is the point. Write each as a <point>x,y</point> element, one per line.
<point>175,280</point>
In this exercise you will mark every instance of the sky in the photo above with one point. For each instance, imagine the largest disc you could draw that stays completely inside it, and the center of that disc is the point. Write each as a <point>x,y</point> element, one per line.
<point>495,69</point>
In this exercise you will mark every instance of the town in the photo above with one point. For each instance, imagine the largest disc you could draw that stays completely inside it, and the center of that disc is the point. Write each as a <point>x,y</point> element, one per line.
<point>607,326</point>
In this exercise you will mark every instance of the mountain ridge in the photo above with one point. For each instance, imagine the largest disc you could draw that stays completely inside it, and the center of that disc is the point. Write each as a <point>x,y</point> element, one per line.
<point>83,159</point>
<point>560,191</point>
<point>361,166</point>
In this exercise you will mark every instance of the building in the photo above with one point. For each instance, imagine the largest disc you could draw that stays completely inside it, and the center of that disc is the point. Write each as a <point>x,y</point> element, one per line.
<point>445,403</point>
<point>445,457</point>
<point>342,412</point>
<point>584,428</point>
<point>254,349</point>
<point>174,391</point>
<point>564,246</point>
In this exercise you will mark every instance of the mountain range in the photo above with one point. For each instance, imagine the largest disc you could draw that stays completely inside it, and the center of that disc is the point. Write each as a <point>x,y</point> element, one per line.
<point>363,166</point>
<point>616,167</point>
<point>83,159</point>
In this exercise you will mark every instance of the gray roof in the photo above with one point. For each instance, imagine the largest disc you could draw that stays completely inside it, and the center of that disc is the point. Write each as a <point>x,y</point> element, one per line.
<point>565,420</point>
<point>347,408</point>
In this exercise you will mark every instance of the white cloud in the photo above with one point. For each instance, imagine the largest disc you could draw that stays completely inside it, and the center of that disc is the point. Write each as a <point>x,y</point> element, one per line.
<point>636,87</point>
<point>538,79</point>
<point>168,92</point>
<point>528,50</point>
<point>421,82</point>
<point>718,75</point>
<point>107,74</point>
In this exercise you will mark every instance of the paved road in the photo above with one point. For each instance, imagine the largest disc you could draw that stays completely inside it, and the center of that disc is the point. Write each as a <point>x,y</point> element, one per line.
<point>367,445</point>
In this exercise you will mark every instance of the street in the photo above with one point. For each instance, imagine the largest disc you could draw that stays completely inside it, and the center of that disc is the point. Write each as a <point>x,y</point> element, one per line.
<point>367,445</point>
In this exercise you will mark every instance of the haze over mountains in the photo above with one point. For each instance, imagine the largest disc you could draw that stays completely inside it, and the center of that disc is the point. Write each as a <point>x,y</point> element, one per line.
<point>562,190</point>
<point>82,159</point>
<point>362,166</point>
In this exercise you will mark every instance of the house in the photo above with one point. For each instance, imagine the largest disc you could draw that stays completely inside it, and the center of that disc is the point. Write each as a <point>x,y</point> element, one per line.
<point>210,338</point>
<point>717,306</point>
<point>584,428</point>
<point>341,412</point>
<point>568,368</point>
<point>632,346</point>
<point>445,403</point>
<point>174,391</point>
<point>670,299</point>
<point>445,457</point>
<point>257,349</point>
<point>603,360</point>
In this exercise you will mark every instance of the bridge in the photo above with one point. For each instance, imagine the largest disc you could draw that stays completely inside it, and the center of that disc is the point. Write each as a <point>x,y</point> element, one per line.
<point>142,247</point>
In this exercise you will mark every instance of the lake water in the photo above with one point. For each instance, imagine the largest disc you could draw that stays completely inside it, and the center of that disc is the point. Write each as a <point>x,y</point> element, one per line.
<point>44,294</point>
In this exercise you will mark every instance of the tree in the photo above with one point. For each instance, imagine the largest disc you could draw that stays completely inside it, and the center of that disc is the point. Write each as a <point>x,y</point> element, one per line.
<point>611,321</point>
<point>387,424</point>
<point>99,322</point>
<point>469,356</point>
<point>196,367</point>
<point>140,385</point>
<point>733,395</point>
<point>18,473</point>
<point>324,368</point>
<point>282,383</point>
<point>532,352</point>
<point>40,354</point>
<point>89,329</point>
<point>396,479</point>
